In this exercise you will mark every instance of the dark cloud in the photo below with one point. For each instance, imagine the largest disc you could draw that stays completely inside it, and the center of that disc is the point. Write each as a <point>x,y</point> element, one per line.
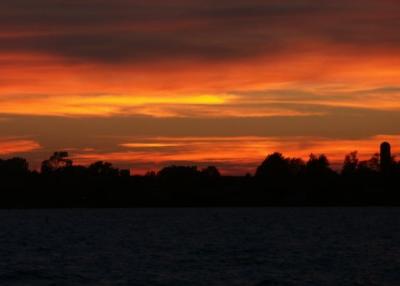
<point>341,123</point>
<point>131,31</point>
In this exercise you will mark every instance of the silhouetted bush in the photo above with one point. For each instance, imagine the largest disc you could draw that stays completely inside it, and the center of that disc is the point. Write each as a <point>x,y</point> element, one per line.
<point>211,172</point>
<point>350,164</point>
<point>57,161</point>
<point>14,167</point>
<point>103,169</point>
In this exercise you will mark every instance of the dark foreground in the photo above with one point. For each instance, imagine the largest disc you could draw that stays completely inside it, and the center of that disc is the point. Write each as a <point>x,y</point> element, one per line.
<point>278,181</point>
<point>65,190</point>
<point>217,246</point>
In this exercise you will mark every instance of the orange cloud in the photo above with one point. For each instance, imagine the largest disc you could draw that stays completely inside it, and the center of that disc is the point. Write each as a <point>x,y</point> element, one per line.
<point>46,85</point>
<point>160,59</point>
<point>14,146</point>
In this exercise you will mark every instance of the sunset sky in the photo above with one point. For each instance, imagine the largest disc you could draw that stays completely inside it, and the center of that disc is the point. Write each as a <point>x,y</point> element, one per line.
<point>145,84</point>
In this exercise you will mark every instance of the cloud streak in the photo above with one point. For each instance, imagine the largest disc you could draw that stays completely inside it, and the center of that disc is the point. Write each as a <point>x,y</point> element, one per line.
<point>10,146</point>
<point>234,155</point>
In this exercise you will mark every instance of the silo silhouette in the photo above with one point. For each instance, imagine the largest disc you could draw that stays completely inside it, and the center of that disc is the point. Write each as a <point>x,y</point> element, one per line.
<point>385,156</point>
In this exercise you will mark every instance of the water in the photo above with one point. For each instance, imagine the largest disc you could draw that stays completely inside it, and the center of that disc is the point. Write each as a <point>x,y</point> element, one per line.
<point>259,246</point>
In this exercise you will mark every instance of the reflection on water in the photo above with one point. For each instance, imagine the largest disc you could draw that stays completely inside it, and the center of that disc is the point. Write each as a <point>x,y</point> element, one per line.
<point>260,246</point>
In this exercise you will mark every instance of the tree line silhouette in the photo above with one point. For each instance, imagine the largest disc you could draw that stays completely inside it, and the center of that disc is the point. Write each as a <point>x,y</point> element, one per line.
<point>278,181</point>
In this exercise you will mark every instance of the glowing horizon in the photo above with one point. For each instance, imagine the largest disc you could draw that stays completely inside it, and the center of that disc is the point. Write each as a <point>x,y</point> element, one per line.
<point>232,155</point>
<point>97,75</point>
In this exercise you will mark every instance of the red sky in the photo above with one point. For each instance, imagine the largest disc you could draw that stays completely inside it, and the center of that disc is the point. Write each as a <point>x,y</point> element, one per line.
<point>145,84</point>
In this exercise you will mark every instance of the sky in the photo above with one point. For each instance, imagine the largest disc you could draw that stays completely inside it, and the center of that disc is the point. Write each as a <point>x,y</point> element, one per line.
<point>146,84</point>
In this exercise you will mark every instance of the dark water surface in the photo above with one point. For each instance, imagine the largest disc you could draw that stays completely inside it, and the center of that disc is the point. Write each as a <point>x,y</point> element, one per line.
<point>259,246</point>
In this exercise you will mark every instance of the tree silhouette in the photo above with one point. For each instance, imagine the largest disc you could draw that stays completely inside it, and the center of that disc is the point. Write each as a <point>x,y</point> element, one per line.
<point>278,180</point>
<point>210,172</point>
<point>104,169</point>
<point>350,164</point>
<point>296,166</point>
<point>275,166</point>
<point>14,166</point>
<point>318,166</point>
<point>57,161</point>
<point>371,165</point>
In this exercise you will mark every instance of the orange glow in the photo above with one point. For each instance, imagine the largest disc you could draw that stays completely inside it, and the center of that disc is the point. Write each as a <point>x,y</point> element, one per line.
<point>147,83</point>
<point>14,146</point>
<point>47,85</point>
<point>233,155</point>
